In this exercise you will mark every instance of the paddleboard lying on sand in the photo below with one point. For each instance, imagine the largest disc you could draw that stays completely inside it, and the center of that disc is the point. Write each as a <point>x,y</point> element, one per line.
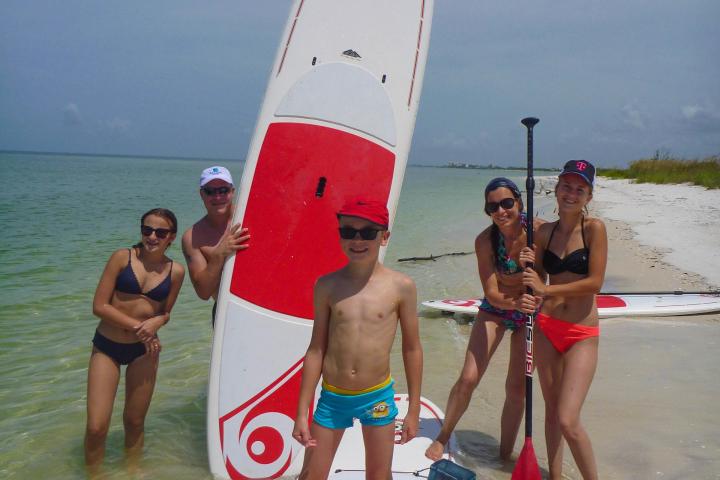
<point>617,305</point>
<point>409,458</point>
<point>336,122</point>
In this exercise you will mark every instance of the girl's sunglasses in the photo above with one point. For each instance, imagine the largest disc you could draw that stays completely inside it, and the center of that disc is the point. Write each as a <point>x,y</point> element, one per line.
<point>506,203</point>
<point>159,232</point>
<point>210,191</point>
<point>367,233</point>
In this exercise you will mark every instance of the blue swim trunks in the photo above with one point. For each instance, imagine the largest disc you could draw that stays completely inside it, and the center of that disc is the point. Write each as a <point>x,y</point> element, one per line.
<point>337,410</point>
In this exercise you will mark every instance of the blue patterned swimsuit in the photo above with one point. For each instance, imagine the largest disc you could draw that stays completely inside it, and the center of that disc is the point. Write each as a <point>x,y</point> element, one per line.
<point>511,319</point>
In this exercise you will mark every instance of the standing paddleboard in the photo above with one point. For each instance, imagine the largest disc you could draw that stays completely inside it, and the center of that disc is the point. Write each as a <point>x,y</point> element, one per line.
<point>617,305</point>
<point>336,122</point>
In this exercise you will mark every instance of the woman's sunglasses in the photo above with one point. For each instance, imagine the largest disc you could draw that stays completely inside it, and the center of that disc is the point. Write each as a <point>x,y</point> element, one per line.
<point>159,232</point>
<point>506,203</point>
<point>210,191</point>
<point>367,233</point>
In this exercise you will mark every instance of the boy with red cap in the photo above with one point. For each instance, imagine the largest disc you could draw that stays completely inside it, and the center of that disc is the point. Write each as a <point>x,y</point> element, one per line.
<point>357,311</point>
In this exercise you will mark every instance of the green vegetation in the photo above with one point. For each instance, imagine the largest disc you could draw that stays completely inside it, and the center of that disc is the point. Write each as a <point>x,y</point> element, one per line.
<point>664,169</point>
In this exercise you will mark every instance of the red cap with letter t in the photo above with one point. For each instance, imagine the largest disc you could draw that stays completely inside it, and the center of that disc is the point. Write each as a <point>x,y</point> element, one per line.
<point>371,210</point>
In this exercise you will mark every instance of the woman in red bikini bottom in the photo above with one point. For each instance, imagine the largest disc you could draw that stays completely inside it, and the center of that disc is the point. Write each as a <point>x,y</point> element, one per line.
<point>573,252</point>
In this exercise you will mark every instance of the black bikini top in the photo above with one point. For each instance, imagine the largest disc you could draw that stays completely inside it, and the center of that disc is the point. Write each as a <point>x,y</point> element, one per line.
<point>575,262</point>
<point>127,282</point>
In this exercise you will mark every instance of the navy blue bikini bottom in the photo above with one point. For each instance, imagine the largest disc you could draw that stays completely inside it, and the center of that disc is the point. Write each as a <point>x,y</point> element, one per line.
<point>122,353</point>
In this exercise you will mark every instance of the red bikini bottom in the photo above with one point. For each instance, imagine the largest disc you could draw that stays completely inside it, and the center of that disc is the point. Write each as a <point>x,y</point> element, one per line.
<point>563,334</point>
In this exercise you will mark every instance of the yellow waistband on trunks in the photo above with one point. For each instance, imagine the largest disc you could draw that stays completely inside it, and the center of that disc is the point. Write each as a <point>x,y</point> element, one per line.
<point>342,391</point>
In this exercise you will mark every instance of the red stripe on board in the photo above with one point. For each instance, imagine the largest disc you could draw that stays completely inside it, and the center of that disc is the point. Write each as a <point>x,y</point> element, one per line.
<point>417,54</point>
<point>287,44</point>
<point>608,301</point>
<point>262,392</point>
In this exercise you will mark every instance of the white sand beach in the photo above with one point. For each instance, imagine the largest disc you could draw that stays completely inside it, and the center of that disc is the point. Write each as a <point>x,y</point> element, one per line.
<point>679,223</point>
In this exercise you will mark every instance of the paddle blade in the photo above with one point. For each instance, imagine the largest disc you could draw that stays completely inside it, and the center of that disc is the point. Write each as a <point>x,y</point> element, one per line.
<point>527,467</point>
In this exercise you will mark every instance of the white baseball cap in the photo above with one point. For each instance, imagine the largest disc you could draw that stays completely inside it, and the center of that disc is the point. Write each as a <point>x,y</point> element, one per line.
<point>213,173</point>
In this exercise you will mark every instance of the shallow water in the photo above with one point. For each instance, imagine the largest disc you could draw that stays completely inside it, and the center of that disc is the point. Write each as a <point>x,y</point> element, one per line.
<point>61,224</point>
<point>651,412</point>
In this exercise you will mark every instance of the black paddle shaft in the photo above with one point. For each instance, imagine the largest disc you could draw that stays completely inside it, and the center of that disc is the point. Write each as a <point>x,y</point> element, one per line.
<point>529,122</point>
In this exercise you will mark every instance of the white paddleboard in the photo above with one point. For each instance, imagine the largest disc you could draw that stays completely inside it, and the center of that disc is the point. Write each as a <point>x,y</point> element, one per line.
<point>336,122</point>
<point>408,459</point>
<point>616,305</point>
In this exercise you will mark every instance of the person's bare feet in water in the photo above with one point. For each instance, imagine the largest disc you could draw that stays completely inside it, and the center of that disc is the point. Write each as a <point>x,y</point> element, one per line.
<point>435,451</point>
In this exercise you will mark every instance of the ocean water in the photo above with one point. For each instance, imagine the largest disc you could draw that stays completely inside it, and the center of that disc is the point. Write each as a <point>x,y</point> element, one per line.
<point>62,216</point>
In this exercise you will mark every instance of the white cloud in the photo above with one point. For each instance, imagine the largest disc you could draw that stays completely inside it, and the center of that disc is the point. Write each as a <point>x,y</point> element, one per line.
<point>632,115</point>
<point>119,124</point>
<point>454,140</point>
<point>71,115</point>
<point>701,118</point>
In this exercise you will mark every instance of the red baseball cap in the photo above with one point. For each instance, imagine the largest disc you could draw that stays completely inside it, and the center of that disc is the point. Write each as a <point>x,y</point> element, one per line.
<point>371,210</point>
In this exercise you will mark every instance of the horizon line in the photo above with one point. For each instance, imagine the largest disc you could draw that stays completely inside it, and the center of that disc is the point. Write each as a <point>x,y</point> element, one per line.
<point>117,155</point>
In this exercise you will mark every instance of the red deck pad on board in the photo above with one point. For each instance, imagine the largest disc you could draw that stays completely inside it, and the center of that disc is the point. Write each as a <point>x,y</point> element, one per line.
<point>292,222</point>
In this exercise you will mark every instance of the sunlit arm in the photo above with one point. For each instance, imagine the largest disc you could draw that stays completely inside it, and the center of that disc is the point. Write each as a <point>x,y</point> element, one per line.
<point>312,367</point>
<point>412,357</point>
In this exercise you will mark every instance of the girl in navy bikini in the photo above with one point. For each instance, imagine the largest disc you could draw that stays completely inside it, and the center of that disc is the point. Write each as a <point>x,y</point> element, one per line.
<point>573,253</point>
<point>133,299</point>
<point>505,306</point>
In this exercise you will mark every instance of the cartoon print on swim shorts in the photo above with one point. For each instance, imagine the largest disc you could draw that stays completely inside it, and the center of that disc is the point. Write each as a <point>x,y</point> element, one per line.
<point>380,410</point>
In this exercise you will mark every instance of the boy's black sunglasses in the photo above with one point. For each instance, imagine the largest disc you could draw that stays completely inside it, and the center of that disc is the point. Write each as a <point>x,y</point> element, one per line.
<point>506,203</point>
<point>367,233</point>
<point>160,233</point>
<point>210,191</point>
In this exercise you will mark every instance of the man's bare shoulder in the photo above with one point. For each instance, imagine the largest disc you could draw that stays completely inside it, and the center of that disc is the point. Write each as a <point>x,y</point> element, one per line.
<point>200,234</point>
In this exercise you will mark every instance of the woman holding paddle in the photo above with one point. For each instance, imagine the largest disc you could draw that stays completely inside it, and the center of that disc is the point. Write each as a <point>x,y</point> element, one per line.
<point>573,252</point>
<point>500,258</point>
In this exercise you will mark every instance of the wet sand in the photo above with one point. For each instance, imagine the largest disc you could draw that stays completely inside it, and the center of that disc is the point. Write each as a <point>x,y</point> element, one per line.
<point>652,409</point>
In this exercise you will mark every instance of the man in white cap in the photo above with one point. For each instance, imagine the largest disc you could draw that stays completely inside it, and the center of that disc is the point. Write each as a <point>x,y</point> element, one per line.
<point>212,239</point>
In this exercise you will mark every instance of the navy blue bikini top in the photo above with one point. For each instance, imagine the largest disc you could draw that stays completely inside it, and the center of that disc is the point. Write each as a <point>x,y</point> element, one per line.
<point>127,282</point>
<point>575,262</point>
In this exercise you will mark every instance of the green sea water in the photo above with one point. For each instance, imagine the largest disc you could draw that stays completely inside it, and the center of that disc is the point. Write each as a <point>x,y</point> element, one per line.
<point>62,217</point>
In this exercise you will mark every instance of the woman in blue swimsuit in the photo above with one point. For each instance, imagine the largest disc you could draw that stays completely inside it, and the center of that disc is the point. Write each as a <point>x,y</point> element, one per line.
<point>133,299</point>
<point>500,261</point>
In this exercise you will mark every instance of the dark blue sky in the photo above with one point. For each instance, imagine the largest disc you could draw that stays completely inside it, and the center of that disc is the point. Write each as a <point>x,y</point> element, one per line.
<point>611,81</point>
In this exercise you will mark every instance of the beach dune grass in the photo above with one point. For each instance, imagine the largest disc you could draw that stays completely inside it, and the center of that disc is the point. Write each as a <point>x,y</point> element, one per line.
<point>705,172</point>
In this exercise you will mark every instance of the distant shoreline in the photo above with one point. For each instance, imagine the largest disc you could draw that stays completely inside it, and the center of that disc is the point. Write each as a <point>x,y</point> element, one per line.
<point>224,160</point>
<point>471,166</point>
<point>114,155</point>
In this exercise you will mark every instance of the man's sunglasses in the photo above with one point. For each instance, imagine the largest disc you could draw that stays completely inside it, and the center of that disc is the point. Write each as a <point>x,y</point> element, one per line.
<point>210,191</point>
<point>159,232</point>
<point>506,203</point>
<point>367,233</point>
